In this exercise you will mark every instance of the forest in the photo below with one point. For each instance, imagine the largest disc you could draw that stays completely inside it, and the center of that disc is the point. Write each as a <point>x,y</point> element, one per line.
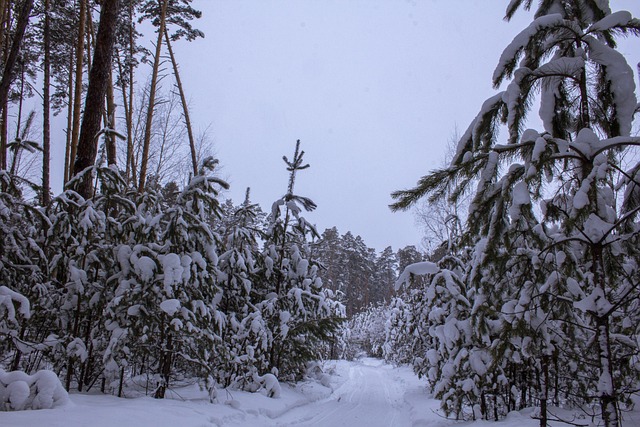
<point>140,273</point>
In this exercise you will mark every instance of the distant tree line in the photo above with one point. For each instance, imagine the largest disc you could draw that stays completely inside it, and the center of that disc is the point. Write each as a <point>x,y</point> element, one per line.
<point>361,276</point>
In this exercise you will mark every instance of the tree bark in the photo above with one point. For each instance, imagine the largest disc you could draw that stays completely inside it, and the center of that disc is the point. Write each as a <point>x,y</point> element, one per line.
<point>10,70</point>
<point>128,121</point>
<point>46,108</point>
<point>606,384</point>
<point>96,92</point>
<point>77,92</point>
<point>130,157</point>
<point>185,107</point>
<point>67,153</point>
<point>4,15</point>
<point>152,96</point>
<point>111,122</point>
<point>4,45</point>
<point>10,65</point>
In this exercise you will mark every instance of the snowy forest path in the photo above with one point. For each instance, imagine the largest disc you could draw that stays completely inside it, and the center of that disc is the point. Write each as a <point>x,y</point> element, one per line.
<point>371,396</point>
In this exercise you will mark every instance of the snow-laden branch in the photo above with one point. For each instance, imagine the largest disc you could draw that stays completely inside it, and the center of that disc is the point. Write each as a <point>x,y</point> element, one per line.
<point>419,269</point>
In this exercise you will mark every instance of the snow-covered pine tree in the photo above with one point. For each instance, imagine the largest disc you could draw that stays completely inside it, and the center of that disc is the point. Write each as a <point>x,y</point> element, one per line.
<point>240,264</point>
<point>367,331</point>
<point>21,269</point>
<point>298,311</point>
<point>580,243</point>
<point>79,254</point>
<point>443,346</point>
<point>167,289</point>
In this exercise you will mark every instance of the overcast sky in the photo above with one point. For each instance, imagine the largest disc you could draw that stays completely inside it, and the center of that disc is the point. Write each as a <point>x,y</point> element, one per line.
<point>373,89</point>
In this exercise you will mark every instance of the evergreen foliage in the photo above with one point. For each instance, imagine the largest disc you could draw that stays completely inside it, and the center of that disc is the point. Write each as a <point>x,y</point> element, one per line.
<point>538,307</point>
<point>124,290</point>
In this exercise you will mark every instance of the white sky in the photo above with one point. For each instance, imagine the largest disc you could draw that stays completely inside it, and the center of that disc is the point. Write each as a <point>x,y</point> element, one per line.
<point>374,89</point>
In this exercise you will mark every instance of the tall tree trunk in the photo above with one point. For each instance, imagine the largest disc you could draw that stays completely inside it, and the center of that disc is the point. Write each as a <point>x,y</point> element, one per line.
<point>130,157</point>
<point>67,153</point>
<point>111,122</point>
<point>4,19</point>
<point>16,154</point>
<point>10,64</point>
<point>152,95</point>
<point>46,109</point>
<point>128,121</point>
<point>90,39</point>
<point>9,72</point>
<point>606,384</point>
<point>166,359</point>
<point>585,117</point>
<point>185,107</point>
<point>5,12</point>
<point>4,129</point>
<point>544,392</point>
<point>98,83</point>
<point>77,93</point>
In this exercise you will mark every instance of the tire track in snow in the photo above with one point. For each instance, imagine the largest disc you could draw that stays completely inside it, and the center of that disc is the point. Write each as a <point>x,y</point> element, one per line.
<point>370,397</point>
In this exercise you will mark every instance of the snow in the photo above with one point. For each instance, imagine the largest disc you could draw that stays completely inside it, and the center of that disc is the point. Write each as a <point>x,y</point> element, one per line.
<point>521,194</point>
<point>522,39</point>
<point>170,306</point>
<point>596,303</point>
<point>173,269</point>
<point>270,384</point>
<point>361,393</point>
<point>419,268</point>
<point>144,267</point>
<point>8,299</point>
<point>562,66</point>
<point>619,18</point>
<point>547,111</point>
<point>19,391</point>
<point>596,229</point>
<point>620,74</point>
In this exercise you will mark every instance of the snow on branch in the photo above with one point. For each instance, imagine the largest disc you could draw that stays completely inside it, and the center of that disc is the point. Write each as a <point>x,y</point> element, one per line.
<point>510,55</point>
<point>419,269</point>
<point>8,299</point>
<point>620,18</point>
<point>620,76</point>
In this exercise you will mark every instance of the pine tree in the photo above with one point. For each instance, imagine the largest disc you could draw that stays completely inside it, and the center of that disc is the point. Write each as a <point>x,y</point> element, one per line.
<point>298,311</point>
<point>571,263</point>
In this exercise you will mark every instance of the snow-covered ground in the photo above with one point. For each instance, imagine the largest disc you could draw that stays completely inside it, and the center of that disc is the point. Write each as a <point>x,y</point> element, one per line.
<point>364,393</point>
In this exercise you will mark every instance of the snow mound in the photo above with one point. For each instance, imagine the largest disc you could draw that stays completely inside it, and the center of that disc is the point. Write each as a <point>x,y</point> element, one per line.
<point>19,391</point>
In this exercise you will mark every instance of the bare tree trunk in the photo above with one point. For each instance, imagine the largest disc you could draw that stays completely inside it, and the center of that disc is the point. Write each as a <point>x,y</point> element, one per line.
<point>4,18</point>
<point>606,384</point>
<point>16,154</point>
<point>67,153</point>
<point>111,122</point>
<point>130,156</point>
<point>3,136</point>
<point>152,94</point>
<point>98,82</point>
<point>10,70</point>
<point>90,40</point>
<point>77,95</point>
<point>544,392</point>
<point>10,64</point>
<point>5,12</point>
<point>166,359</point>
<point>46,109</point>
<point>185,107</point>
<point>128,117</point>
